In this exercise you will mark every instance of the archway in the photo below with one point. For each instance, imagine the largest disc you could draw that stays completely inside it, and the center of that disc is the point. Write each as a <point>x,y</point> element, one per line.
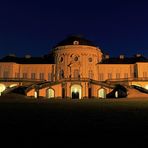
<point>2,88</point>
<point>76,91</point>
<point>50,93</point>
<point>102,93</point>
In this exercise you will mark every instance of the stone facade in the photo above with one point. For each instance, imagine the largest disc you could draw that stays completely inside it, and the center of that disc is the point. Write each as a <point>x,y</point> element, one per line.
<point>79,70</point>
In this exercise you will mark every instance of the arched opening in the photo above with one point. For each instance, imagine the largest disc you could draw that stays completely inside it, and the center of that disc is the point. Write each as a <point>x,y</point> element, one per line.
<point>102,93</point>
<point>76,91</point>
<point>50,93</point>
<point>35,94</point>
<point>2,88</point>
<point>116,94</point>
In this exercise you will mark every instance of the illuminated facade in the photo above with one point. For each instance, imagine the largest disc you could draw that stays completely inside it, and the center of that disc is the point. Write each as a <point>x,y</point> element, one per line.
<point>75,68</point>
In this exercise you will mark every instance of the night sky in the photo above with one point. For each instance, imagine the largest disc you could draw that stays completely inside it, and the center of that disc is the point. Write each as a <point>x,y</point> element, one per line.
<point>34,27</point>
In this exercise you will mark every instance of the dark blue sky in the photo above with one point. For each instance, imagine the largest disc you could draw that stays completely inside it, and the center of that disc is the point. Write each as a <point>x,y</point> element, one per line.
<point>34,27</point>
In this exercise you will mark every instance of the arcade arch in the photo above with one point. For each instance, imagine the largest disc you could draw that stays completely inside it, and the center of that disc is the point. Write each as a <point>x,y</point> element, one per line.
<point>102,93</point>
<point>76,91</point>
<point>50,93</point>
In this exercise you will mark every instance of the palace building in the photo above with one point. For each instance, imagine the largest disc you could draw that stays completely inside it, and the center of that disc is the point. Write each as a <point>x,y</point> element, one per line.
<point>76,69</point>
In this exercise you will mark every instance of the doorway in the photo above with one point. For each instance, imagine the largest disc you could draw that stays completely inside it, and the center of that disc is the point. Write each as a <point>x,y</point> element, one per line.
<point>76,91</point>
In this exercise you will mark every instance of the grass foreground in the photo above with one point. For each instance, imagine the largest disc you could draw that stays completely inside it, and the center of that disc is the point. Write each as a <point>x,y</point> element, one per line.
<point>113,120</point>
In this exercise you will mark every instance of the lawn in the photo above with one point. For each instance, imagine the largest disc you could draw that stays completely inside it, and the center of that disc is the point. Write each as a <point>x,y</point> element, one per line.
<point>111,119</point>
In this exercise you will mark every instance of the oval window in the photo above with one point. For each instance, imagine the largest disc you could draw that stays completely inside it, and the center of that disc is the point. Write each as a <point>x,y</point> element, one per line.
<point>76,42</point>
<point>90,59</point>
<point>61,59</point>
<point>75,58</point>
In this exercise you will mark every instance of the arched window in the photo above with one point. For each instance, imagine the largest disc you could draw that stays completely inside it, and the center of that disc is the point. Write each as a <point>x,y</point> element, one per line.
<point>61,75</point>
<point>102,93</point>
<point>50,93</point>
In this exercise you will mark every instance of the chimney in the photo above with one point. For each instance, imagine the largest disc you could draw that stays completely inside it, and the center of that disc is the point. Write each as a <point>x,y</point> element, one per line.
<point>12,55</point>
<point>138,55</point>
<point>107,56</point>
<point>121,56</point>
<point>27,56</point>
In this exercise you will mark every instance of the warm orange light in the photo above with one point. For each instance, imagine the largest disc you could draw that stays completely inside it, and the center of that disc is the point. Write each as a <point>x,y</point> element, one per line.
<point>146,86</point>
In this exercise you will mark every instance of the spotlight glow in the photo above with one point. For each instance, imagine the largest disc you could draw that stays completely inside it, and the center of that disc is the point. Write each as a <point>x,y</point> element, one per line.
<point>146,86</point>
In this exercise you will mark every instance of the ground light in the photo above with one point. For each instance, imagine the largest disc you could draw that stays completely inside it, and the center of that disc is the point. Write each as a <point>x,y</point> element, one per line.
<point>146,86</point>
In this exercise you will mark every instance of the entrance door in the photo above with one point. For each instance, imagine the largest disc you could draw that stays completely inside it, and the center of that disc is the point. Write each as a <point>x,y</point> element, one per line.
<point>76,91</point>
<point>75,95</point>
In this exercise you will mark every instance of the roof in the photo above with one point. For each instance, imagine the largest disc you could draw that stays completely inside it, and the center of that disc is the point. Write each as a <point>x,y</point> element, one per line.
<point>47,59</point>
<point>79,41</point>
<point>131,60</point>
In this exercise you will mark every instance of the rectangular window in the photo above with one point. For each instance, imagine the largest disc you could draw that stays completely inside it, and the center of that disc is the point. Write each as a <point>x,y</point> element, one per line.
<point>33,76</point>
<point>109,75</point>
<point>49,76</point>
<point>24,75</point>
<point>101,77</point>
<point>125,75</point>
<point>117,75</point>
<point>145,74</point>
<point>17,75</point>
<point>41,76</point>
<point>6,74</point>
<point>90,74</point>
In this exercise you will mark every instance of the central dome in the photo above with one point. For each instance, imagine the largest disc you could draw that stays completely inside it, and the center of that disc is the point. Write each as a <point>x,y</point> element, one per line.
<point>75,40</point>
